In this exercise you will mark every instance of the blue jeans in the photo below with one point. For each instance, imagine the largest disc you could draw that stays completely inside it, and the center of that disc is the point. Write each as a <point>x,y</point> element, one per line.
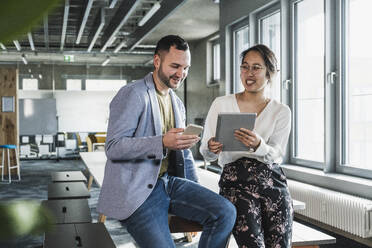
<point>148,225</point>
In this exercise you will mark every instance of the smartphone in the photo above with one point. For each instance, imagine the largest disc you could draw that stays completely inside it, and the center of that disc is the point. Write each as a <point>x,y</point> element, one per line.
<point>193,129</point>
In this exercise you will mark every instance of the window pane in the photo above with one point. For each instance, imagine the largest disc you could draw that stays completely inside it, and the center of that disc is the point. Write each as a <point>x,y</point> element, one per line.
<point>73,84</point>
<point>216,61</point>
<point>270,36</point>
<point>241,43</point>
<point>309,79</point>
<point>30,84</point>
<point>102,85</point>
<point>359,82</point>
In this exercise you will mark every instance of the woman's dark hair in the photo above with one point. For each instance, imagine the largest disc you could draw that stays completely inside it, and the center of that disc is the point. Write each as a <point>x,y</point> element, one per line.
<point>166,42</point>
<point>268,56</point>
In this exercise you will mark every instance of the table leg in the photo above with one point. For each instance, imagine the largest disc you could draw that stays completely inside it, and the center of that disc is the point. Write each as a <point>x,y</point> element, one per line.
<point>90,181</point>
<point>188,237</point>
<point>101,218</point>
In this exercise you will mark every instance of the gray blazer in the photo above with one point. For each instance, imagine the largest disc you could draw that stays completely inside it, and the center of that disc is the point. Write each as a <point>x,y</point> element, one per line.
<point>134,148</point>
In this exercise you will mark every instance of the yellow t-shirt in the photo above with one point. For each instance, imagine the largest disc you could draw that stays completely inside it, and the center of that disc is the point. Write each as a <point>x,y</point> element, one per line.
<point>167,119</point>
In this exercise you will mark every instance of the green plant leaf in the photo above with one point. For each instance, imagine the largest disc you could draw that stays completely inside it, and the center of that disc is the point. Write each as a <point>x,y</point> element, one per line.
<point>17,17</point>
<point>20,218</point>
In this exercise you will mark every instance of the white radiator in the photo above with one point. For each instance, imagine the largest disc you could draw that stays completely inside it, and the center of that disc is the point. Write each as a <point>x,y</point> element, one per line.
<point>346,212</point>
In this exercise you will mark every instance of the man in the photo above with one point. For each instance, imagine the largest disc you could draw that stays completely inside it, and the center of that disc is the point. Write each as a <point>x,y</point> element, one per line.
<point>150,170</point>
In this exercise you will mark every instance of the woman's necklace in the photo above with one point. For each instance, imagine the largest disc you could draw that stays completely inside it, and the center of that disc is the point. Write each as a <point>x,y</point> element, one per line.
<point>262,106</point>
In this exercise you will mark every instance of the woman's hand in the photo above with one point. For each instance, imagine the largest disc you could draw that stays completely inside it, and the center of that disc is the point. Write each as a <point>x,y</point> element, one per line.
<point>214,146</point>
<point>248,138</point>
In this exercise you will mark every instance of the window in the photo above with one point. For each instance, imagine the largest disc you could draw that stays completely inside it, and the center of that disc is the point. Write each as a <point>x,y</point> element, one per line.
<point>30,84</point>
<point>73,84</point>
<point>308,80</point>
<point>269,28</point>
<point>241,43</point>
<point>104,85</point>
<point>216,61</point>
<point>326,55</point>
<point>357,87</point>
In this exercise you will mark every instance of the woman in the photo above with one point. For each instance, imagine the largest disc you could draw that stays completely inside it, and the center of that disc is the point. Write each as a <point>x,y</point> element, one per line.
<point>252,180</point>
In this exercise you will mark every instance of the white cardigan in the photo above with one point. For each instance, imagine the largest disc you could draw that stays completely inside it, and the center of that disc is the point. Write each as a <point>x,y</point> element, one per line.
<point>272,126</point>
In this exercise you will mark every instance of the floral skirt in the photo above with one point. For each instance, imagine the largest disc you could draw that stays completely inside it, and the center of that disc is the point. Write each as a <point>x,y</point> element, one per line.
<point>260,194</point>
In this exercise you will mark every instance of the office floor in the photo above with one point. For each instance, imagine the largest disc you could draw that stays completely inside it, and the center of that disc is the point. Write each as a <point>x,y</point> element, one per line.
<point>35,178</point>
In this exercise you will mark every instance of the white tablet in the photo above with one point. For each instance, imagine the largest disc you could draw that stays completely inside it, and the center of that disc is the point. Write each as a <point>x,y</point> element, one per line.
<point>227,123</point>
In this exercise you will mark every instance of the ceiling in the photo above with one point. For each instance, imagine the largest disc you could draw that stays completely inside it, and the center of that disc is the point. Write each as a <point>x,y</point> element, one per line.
<point>94,30</point>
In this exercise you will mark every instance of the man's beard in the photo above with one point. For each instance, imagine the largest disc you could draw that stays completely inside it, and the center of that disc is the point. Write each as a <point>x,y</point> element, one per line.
<point>166,81</point>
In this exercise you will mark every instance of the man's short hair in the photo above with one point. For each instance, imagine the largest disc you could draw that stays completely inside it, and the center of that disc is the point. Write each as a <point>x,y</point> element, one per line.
<point>166,42</point>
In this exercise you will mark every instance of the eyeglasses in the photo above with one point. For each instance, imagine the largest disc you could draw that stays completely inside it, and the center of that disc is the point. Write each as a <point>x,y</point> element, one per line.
<point>254,68</point>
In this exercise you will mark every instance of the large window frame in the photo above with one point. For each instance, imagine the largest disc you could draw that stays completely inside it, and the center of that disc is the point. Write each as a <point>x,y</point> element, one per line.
<point>335,79</point>
<point>335,88</point>
<point>235,65</point>
<point>342,89</point>
<point>293,101</point>
<point>216,56</point>
<point>260,17</point>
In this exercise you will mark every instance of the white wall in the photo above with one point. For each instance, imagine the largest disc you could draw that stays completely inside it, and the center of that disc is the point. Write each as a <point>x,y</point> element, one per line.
<point>78,111</point>
<point>83,111</point>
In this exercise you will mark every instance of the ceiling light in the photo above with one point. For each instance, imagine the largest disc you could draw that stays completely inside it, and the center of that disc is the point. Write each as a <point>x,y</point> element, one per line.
<point>117,49</point>
<point>112,4</point>
<point>2,46</point>
<point>146,46</point>
<point>149,62</point>
<point>105,62</point>
<point>17,45</point>
<point>112,39</point>
<point>31,41</point>
<point>24,59</point>
<point>149,14</point>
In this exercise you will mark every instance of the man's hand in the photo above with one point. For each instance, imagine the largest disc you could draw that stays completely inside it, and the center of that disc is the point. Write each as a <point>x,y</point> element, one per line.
<point>174,140</point>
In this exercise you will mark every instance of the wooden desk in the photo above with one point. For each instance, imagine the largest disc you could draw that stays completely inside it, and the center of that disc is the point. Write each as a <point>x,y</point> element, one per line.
<point>69,211</point>
<point>92,235</point>
<point>68,176</point>
<point>75,190</point>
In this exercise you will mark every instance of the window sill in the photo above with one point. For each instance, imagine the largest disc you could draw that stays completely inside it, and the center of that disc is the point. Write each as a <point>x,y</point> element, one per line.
<point>342,183</point>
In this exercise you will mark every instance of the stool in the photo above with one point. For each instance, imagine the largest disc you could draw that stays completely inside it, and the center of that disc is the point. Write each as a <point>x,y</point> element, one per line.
<point>71,190</point>
<point>10,167</point>
<point>69,211</point>
<point>68,176</point>
<point>92,235</point>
